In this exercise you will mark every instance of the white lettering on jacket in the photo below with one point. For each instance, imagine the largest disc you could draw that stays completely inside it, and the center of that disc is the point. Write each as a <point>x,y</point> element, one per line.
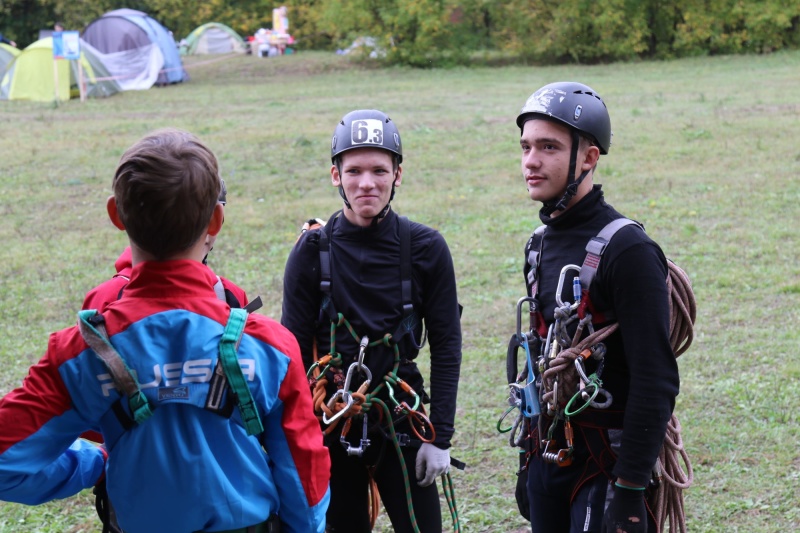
<point>172,374</point>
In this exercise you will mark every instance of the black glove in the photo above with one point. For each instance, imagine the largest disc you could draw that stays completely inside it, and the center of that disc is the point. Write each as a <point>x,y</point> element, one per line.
<point>626,513</point>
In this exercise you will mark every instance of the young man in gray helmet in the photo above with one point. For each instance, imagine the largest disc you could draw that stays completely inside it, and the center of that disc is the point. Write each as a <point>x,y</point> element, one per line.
<point>601,421</point>
<point>360,295</point>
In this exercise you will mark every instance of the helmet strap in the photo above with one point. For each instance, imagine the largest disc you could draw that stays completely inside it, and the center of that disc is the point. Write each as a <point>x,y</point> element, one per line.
<point>572,183</point>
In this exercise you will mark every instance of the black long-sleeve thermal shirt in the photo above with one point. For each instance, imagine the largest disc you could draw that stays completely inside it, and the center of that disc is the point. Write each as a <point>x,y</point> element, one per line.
<point>366,290</point>
<point>640,368</point>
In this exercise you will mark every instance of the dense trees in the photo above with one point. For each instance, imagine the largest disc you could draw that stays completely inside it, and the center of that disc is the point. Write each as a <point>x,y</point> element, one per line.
<point>437,32</point>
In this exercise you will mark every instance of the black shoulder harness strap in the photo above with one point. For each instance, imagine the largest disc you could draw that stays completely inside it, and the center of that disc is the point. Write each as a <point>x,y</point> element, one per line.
<point>594,252</point>
<point>597,245</point>
<point>409,318</point>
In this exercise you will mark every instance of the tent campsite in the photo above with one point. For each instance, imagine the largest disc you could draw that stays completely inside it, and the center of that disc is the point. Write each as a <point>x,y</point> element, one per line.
<point>7,54</point>
<point>32,76</point>
<point>136,49</point>
<point>212,38</point>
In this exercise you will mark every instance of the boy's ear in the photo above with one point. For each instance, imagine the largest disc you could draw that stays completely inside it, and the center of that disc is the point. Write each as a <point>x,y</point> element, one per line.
<point>217,218</point>
<point>591,158</point>
<point>113,214</point>
<point>336,178</point>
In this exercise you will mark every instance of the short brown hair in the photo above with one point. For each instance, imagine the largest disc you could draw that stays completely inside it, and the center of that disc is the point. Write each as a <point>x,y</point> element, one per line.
<point>166,187</point>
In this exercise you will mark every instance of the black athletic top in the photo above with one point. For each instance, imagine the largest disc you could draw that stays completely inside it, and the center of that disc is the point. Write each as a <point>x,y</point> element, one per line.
<point>366,290</point>
<point>640,368</point>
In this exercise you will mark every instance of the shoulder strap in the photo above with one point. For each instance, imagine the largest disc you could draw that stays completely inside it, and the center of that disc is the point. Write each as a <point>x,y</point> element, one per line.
<point>231,338</point>
<point>409,320</point>
<point>405,265</point>
<point>597,246</point>
<point>325,266</point>
<point>533,253</point>
<point>92,328</point>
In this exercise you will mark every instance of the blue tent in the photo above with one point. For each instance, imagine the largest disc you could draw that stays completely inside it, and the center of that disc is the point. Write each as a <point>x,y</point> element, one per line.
<point>105,34</point>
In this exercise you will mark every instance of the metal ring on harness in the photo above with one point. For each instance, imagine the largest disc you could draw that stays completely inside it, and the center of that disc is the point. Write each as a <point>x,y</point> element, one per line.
<point>357,451</point>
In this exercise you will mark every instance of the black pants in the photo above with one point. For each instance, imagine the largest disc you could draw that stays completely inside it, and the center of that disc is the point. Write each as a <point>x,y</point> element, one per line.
<point>573,499</point>
<point>348,511</point>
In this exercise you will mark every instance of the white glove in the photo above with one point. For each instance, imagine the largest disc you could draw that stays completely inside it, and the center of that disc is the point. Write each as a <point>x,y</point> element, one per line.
<point>432,462</point>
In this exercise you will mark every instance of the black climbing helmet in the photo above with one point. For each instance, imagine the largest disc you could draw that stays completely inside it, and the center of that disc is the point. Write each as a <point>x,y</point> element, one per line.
<point>366,128</point>
<point>574,104</point>
<point>581,109</point>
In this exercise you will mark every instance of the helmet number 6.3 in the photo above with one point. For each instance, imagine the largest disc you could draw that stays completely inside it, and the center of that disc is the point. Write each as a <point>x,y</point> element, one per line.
<point>360,132</point>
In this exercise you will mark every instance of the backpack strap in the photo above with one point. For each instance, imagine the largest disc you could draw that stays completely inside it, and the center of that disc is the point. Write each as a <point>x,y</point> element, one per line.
<point>92,328</point>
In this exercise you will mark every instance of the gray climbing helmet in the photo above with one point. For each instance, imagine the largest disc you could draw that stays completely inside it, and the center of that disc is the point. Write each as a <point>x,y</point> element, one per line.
<point>366,128</point>
<point>573,104</point>
<point>581,109</point>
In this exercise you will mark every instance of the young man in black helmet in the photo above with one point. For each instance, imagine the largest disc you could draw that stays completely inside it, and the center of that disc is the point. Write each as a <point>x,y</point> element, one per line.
<point>593,446</point>
<point>364,289</point>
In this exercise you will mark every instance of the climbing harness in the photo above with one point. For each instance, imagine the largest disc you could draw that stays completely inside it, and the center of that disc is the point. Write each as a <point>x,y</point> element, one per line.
<point>92,328</point>
<point>564,387</point>
<point>346,405</point>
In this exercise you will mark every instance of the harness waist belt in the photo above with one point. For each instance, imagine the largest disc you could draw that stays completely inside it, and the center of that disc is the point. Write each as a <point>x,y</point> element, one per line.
<point>271,525</point>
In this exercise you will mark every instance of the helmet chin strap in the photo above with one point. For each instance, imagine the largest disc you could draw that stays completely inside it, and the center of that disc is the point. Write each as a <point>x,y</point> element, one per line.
<point>550,206</point>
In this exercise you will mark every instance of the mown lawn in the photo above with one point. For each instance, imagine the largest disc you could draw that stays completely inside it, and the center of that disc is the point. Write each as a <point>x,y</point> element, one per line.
<point>704,154</point>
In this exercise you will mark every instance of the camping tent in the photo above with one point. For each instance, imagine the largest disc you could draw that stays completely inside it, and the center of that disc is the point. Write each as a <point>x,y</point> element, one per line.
<point>131,43</point>
<point>7,53</point>
<point>32,76</point>
<point>212,38</point>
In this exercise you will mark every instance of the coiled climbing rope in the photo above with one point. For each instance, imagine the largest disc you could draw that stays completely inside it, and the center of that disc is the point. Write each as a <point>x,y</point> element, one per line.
<point>666,500</point>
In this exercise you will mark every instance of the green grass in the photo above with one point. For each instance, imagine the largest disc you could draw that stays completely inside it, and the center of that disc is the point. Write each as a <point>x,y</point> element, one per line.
<point>704,154</point>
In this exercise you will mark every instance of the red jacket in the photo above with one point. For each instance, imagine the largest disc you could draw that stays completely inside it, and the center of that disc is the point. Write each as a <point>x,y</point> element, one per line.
<point>111,290</point>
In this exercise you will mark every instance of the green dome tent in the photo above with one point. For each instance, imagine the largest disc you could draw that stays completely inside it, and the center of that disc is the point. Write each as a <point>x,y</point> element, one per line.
<point>212,38</point>
<point>7,54</point>
<point>32,76</point>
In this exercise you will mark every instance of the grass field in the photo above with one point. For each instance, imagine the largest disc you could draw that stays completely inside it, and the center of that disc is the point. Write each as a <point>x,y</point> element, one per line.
<point>704,153</point>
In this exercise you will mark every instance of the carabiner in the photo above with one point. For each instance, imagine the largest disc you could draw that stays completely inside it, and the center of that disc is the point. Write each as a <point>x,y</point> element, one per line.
<point>403,385</point>
<point>349,403</point>
<point>362,349</point>
<point>353,367</point>
<point>560,287</point>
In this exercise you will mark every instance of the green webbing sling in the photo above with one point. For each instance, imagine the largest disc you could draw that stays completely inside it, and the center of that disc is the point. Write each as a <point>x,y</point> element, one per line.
<point>92,328</point>
<point>233,371</point>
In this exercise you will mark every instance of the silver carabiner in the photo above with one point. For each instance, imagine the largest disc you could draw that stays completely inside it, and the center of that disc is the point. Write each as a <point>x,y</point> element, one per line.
<point>349,401</point>
<point>351,369</point>
<point>560,287</point>
<point>362,349</point>
<point>522,300</point>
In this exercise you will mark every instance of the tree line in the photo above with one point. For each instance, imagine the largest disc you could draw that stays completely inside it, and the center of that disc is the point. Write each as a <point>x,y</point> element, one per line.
<point>447,32</point>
